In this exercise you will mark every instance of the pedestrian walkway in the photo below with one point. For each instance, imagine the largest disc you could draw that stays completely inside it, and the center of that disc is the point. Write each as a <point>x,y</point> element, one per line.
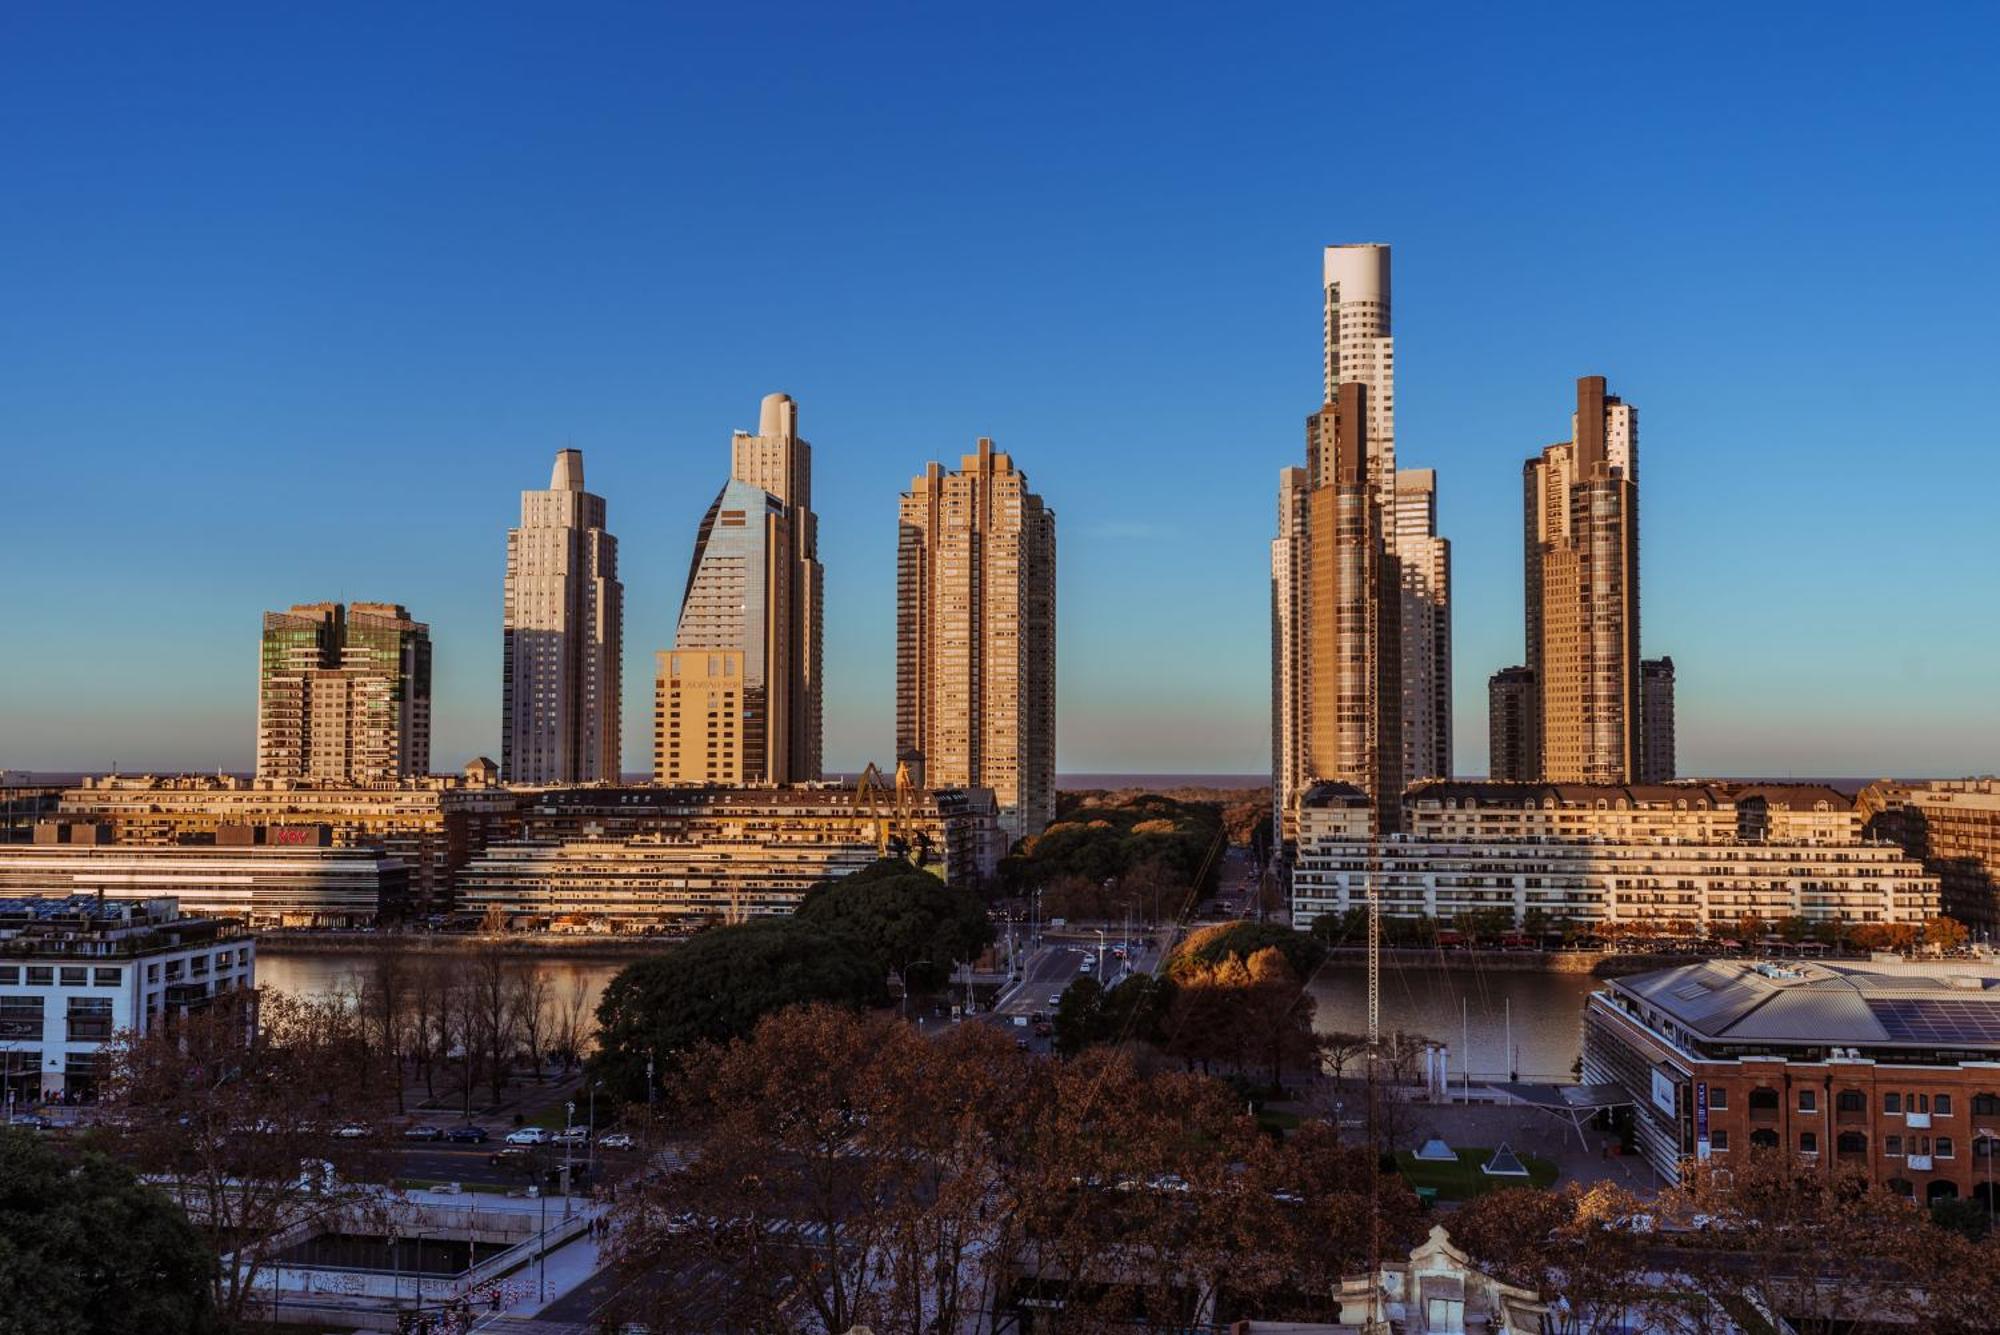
<point>541,1283</point>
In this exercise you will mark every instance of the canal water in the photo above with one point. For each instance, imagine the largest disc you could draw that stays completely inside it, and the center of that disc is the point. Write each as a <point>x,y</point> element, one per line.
<point>1475,1012</point>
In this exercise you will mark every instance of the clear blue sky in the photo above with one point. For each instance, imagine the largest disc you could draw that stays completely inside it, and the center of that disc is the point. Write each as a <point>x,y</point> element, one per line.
<point>294,300</point>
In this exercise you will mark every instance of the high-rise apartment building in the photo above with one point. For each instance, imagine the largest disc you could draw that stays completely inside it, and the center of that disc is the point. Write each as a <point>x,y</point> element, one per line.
<point>1954,826</point>
<point>1424,566</point>
<point>737,699</point>
<point>976,636</point>
<point>1388,654</point>
<point>1337,604</point>
<point>344,694</point>
<point>562,624</point>
<point>1581,509</point>
<point>1511,731</point>
<point>1656,720</point>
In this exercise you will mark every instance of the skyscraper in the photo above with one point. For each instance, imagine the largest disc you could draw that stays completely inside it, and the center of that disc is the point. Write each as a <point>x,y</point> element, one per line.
<point>1424,566</point>
<point>1581,512</point>
<point>1402,636</point>
<point>1656,720</point>
<point>1512,732</point>
<point>737,699</point>
<point>344,694</point>
<point>562,627</point>
<point>1337,603</point>
<point>976,636</point>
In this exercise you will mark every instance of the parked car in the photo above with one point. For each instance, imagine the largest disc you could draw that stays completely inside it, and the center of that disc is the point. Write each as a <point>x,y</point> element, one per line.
<point>574,1135</point>
<point>617,1140</point>
<point>514,1156</point>
<point>530,1135</point>
<point>466,1135</point>
<point>352,1131</point>
<point>1024,1045</point>
<point>424,1131</point>
<point>1055,998</point>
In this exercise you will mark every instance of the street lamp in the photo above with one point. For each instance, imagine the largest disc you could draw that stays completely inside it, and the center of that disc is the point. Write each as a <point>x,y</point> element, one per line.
<point>569,1121</point>
<point>591,1146</point>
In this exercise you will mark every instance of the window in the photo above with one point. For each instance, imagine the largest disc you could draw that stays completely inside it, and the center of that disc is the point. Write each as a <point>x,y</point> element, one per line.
<point>41,975</point>
<point>1944,1149</point>
<point>1851,1142</point>
<point>10,974</point>
<point>1718,1097</point>
<point>1892,1103</point>
<point>1941,1105</point>
<point>106,977</point>
<point>1808,1142</point>
<point>1764,1139</point>
<point>1849,1100</point>
<point>152,973</point>
<point>1719,1141</point>
<point>1763,1100</point>
<point>1892,1146</point>
<point>1808,1100</point>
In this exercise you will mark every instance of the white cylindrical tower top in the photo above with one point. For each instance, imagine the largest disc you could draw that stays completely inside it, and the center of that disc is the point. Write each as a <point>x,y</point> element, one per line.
<point>1361,270</point>
<point>778,417</point>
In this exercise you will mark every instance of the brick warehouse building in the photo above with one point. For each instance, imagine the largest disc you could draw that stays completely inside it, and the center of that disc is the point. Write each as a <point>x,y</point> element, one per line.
<point>1889,1067</point>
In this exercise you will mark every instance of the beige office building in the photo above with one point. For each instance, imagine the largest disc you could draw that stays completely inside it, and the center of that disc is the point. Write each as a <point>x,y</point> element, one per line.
<point>976,636</point>
<point>1363,697</point>
<point>344,694</point>
<point>1581,511</point>
<point>562,619</point>
<point>738,698</point>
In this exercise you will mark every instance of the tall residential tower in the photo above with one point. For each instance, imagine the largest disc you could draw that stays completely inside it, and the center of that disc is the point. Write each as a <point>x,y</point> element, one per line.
<point>976,636</point>
<point>1396,616</point>
<point>344,694</point>
<point>737,699</point>
<point>1581,507</point>
<point>562,628</point>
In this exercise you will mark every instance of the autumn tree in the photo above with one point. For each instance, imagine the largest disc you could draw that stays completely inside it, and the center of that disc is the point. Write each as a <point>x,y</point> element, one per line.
<point>231,1110</point>
<point>900,917</point>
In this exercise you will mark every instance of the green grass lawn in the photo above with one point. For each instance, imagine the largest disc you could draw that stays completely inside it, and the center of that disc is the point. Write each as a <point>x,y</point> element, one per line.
<point>1462,1181</point>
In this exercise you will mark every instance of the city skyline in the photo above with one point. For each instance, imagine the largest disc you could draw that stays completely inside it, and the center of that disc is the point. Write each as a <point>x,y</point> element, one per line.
<point>1126,317</point>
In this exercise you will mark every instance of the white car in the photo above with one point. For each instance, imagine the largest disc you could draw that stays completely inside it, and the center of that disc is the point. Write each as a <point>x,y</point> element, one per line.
<point>529,1135</point>
<point>575,1135</point>
<point>1055,998</point>
<point>617,1140</point>
<point>352,1131</point>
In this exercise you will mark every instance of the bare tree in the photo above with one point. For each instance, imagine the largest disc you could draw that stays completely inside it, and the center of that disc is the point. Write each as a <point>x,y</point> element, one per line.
<point>573,1024</point>
<point>231,1110</point>
<point>532,994</point>
<point>493,1024</point>
<point>382,998</point>
<point>425,997</point>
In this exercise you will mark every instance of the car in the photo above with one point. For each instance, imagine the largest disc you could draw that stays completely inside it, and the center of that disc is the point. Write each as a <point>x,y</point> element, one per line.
<point>1038,1017</point>
<point>574,1135</point>
<point>1055,998</point>
<point>514,1156</point>
<point>30,1122</point>
<point>466,1135</point>
<point>351,1131</point>
<point>424,1131</point>
<point>616,1140</point>
<point>1024,1045</point>
<point>530,1135</point>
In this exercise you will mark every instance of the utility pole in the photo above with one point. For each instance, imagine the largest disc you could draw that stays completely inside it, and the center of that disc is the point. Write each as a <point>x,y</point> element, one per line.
<point>569,1122</point>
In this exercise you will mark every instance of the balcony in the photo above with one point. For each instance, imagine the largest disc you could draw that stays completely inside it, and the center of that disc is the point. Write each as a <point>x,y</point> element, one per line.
<point>1917,1121</point>
<point>89,1030</point>
<point>1919,1163</point>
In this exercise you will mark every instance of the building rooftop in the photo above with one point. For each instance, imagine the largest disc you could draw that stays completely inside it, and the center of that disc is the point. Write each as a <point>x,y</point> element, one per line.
<point>89,925</point>
<point>1702,796</point>
<point>1952,1004</point>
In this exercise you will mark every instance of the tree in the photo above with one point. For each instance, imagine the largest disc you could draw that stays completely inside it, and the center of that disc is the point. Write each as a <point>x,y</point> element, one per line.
<point>382,996</point>
<point>898,916</point>
<point>533,989</point>
<point>570,1032</point>
<point>1211,945</point>
<point>716,987</point>
<point>1278,1014</point>
<point>230,1109</point>
<point>58,1276</point>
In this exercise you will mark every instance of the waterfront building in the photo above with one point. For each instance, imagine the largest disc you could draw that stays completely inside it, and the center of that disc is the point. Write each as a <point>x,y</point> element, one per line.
<point>344,694</point>
<point>1954,826</point>
<point>738,698</point>
<point>1581,506</point>
<point>1360,578</point>
<point>976,636</point>
<point>1656,720</point>
<point>658,858</point>
<point>1680,859</point>
<point>433,825</point>
<point>77,970</point>
<point>562,627</point>
<point>1888,1067</point>
<point>1512,733</point>
<point>1424,565</point>
<point>278,876</point>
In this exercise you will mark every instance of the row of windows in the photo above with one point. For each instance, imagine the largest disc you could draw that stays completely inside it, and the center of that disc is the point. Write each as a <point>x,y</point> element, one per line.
<point>1894,1103</point>
<point>71,975</point>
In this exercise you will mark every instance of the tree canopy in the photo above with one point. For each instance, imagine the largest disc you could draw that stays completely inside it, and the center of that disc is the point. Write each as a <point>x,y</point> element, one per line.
<point>717,985</point>
<point>62,1273</point>
<point>1142,855</point>
<point>1211,946</point>
<point>897,915</point>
